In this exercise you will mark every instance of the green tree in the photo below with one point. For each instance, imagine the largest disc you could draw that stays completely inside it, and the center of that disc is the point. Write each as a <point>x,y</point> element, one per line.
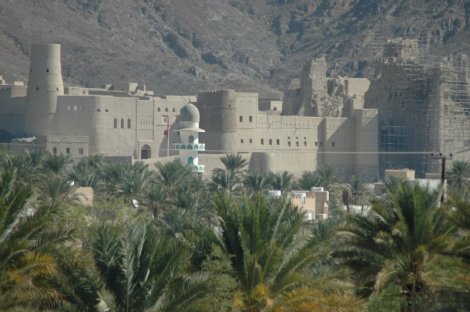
<point>308,180</point>
<point>234,163</point>
<point>281,181</point>
<point>256,184</point>
<point>28,234</point>
<point>355,193</point>
<point>402,248</point>
<point>173,176</point>
<point>459,175</point>
<point>270,252</point>
<point>57,164</point>
<point>142,269</point>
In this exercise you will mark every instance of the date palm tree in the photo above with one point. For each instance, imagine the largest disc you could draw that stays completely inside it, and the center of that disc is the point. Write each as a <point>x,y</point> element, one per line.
<point>56,164</point>
<point>143,270</point>
<point>459,175</point>
<point>402,249</point>
<point>28,233</point>
<point>271,253</point>
<point>27,165</point>
<point>281,181</point>
<point>355,192</point>
<point>308,180</point>
<point>256,184</point>
<point>234,163</point>
<point>172,176</point>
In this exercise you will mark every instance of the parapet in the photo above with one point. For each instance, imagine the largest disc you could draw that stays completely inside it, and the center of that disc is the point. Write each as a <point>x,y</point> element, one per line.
<point>405,173</point>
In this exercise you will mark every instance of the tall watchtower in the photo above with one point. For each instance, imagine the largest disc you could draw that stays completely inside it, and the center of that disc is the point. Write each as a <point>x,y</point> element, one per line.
<point>45,84</point>
<point>189,132</point>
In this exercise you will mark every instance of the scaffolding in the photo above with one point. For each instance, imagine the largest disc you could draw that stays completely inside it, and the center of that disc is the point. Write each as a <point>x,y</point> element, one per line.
<point>424,103</point>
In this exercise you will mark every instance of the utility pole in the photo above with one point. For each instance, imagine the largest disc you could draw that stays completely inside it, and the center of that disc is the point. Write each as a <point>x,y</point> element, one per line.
<point>443,159</point>
<point>167,132</point>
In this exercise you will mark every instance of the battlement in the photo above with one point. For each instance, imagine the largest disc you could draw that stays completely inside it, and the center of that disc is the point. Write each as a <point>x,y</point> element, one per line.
<point>215,92</point>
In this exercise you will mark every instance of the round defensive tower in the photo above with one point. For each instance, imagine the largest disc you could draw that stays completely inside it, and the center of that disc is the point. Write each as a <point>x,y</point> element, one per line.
<point>44,85</point>
<point>219,119</point>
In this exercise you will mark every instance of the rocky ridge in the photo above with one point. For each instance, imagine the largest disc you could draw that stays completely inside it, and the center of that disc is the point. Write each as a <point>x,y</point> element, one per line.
<point>181,46</point>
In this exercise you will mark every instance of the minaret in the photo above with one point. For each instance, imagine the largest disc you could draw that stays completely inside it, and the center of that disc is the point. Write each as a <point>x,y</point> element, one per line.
<point>189,147</point>
<point>44,85</point>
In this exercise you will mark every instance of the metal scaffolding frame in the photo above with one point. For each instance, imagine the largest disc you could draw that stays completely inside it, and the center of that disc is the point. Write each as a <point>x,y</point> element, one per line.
<point>425,105</point>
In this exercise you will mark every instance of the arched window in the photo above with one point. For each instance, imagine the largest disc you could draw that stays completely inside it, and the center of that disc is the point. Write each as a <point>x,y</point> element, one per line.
<point>122,123</point>
<point>191,139</point>
<point>129,123</point>
<point>115,122</point>
<point>190,161</point>
<point>146,152</point>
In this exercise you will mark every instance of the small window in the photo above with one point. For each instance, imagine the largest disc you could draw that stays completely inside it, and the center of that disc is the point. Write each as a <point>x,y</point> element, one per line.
<point>316,144</point>
<point>122,123</point>
<point>275,108</point>
<point>251,140</point>
<point>250,119</point>
<point>75,107</point>
<point>241,141</point>
<point>98,110</point>
<point>166,109</point>
<point>262,141</point>
<point>106,110</point>
<point>158,109</point>
<point>68,107</point>
<point>80,150</point>
<point>67,150</point>
<point>57,89</point>
<point>296,143</point>
<point>37,88</point>
<point>288,143</point>
<point>54,151</point>
<point>305,143</point>
<point>84,92</point>
<point>115,122</point>
<point>278,142</point>
<point>47,70</point>
<point>174,110</point>
<point>333,144</point>
<point>241,118</point>
<point>128,123</point>
<point>270,141</point>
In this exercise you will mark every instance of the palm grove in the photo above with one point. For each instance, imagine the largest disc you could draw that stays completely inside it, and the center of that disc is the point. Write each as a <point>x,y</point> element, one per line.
<point>163,239</point>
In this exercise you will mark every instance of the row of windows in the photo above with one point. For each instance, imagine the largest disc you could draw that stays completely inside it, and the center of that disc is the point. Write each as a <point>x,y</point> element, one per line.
<point>75,108</point>
<point>250,118</point>
<point>166,109</point>
<point>37,89</point>
<point>67,150</point>
<point>278,142</point>
<point>122,123</point>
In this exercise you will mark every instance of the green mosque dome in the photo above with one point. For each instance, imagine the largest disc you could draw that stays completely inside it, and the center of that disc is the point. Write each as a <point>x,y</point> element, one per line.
<point>190,113</point>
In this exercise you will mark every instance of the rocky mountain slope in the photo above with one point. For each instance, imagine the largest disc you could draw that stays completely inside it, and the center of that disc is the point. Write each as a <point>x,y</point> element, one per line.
<point>181,46</point>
